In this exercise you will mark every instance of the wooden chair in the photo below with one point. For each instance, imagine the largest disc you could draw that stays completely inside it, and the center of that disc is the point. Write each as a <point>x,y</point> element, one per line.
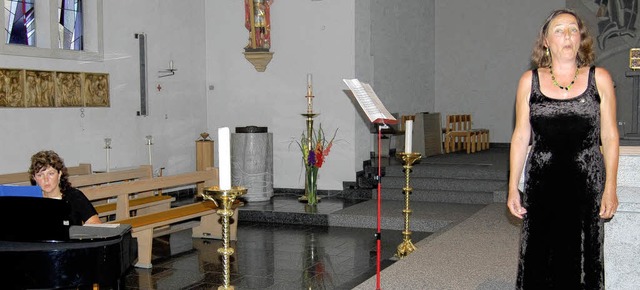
<point>459,135</point>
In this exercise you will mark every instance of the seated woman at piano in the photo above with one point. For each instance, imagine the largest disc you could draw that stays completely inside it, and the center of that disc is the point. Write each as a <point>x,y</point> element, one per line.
<point>49,172</point>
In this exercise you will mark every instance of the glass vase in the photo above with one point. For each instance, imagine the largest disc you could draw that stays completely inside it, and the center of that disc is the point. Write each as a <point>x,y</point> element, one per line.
<point>311,188</point>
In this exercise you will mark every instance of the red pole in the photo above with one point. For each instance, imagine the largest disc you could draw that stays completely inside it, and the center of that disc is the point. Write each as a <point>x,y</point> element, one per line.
<point>378,246</point>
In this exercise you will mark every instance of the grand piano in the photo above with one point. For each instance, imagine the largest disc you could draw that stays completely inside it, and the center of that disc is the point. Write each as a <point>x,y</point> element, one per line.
<point>40,250</point>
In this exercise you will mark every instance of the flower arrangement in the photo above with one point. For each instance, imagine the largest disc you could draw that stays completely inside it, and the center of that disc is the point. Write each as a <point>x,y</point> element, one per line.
<point>314,154</point>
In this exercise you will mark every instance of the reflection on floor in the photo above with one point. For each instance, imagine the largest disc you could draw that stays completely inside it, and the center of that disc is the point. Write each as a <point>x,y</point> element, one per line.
<point>270,256</point>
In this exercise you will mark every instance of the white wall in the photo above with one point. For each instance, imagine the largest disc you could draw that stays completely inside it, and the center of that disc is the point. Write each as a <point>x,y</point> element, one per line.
<point>307,37</point>
<point>177,114</point>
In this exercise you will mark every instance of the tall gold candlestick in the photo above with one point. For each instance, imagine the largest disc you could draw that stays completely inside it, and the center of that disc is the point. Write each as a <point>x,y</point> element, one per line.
<point>309,120</point>
<point>406,247</point>
<point>224,200</point>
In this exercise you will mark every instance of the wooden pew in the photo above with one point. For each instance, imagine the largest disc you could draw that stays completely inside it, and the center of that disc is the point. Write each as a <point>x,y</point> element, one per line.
<point>122,191</point>
<point>22,178</point>
<point>141,172</point>
<point>201,217</point>
<point>141,203</point>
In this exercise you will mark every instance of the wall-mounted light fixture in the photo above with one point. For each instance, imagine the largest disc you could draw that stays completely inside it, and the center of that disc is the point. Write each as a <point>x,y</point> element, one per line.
<point>169,71</point>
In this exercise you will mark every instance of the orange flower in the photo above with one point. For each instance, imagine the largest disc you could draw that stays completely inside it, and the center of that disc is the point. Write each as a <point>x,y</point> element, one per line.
<point>315,156</point>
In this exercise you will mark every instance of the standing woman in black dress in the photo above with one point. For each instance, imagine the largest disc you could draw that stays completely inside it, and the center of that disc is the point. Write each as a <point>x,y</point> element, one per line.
<point>567,107</point>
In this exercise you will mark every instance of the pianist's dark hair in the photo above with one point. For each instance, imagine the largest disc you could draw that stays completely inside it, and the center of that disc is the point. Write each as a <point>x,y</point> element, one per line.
<point>44,159</point>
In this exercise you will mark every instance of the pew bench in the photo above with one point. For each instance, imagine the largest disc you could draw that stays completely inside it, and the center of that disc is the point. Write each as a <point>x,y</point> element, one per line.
<point>201,217</point>
<point>137,206</point>
<point>123,191</point>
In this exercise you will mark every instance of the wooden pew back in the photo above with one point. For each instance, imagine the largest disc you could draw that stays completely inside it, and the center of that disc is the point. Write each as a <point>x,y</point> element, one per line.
<point>22,178</point>
<point>141,172</point>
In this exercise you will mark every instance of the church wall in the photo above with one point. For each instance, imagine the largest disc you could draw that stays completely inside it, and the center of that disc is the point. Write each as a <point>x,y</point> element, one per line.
<point>481,50</point>
<point>176,111</point>
<point>395,54</point>
<point>307,37</point>
<point>364,72</point>
<point>614,34</point>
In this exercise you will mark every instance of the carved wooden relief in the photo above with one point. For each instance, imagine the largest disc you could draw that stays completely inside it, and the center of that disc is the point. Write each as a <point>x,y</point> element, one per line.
<point>39,89</point>
<point>69,89</point>
<point>12,88</point>
<point>96,90</point>
<point>45,89</point>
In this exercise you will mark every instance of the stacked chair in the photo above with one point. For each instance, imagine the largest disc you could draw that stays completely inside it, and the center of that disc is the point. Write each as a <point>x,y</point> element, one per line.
<point>459,135</point>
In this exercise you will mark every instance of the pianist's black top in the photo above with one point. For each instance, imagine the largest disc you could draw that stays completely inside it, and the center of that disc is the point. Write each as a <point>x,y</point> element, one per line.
<point>81,208</point>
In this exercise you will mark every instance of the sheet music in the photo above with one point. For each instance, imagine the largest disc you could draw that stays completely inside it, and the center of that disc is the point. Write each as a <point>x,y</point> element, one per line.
<point>369,101</point>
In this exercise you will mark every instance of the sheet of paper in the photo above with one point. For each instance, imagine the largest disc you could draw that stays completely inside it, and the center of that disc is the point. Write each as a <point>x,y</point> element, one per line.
<point>369,101</point>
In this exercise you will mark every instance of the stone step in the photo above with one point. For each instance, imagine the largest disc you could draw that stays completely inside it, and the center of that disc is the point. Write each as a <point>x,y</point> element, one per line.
<point>425,216</point>
<point>453,171</point>
<point>463,197</point>
<point>449,184</point>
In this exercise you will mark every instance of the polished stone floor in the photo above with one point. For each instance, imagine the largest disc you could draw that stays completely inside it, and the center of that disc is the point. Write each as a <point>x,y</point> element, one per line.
<point>271,255</point>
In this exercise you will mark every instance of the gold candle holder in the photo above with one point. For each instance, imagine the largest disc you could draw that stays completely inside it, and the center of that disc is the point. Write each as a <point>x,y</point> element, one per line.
<point>224,200</point>
<point>309,119</point>
<point>407,247</point>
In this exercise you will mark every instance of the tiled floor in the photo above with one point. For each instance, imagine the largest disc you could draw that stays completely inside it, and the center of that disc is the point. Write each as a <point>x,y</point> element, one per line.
<point>271,255</point>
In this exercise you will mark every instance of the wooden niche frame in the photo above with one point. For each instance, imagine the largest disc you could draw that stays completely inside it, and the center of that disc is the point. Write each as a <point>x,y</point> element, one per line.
<point>21,88</point>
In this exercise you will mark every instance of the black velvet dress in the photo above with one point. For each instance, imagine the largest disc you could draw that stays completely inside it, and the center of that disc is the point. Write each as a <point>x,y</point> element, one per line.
<point>562,234</point>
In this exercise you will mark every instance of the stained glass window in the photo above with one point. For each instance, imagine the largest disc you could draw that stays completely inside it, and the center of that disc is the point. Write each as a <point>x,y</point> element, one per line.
<point>67,29</point>
<point>70,26</point>
<point>20,22</point>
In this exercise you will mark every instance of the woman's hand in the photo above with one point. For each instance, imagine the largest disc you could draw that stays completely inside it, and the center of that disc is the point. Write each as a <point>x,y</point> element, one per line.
<point>609,204</point>
<point>514,204</point>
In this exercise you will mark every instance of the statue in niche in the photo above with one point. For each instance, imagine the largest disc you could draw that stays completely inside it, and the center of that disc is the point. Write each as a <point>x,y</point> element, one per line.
<point>11,90</point>
<point>258,22</point>
<point>39,89</point>
<point>96,90</point>
<point>69,90</point>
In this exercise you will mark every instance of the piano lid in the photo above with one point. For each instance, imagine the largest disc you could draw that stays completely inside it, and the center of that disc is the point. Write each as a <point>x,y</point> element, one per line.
<point>34,219</point>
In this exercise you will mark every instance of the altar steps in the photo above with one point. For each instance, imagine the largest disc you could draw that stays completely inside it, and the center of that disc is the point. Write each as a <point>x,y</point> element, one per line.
<point>479,178</point>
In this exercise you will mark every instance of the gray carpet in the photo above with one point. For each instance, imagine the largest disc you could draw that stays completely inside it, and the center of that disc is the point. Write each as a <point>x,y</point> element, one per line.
<point>479,253</point>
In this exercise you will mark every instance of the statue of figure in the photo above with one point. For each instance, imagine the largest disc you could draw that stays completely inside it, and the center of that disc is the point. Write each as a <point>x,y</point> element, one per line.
<point>257,21</point>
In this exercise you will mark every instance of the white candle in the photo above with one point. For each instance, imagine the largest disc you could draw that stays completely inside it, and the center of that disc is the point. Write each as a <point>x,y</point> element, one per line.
<point>408,131</point>
<point>224,155</point>
<point>309,86</point>
<point>171,64</point>
<point>108,163</point>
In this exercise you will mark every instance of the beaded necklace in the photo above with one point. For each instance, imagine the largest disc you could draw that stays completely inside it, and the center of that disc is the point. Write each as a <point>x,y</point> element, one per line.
<point>553,78</point>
